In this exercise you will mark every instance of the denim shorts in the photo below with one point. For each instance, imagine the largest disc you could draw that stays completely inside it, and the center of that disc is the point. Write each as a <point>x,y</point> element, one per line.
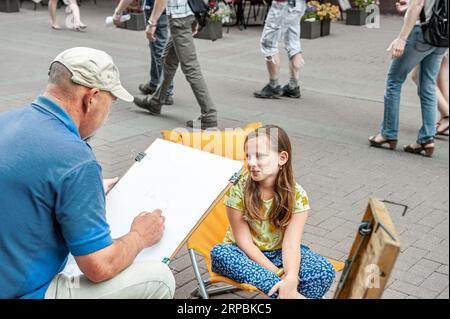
<point>283,23</point>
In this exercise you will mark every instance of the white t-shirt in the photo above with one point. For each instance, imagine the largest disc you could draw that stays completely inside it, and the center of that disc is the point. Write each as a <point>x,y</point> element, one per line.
<point>429,4</point>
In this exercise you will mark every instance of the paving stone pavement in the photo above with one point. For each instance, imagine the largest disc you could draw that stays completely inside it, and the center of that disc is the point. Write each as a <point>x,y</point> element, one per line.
<point>342,104</point>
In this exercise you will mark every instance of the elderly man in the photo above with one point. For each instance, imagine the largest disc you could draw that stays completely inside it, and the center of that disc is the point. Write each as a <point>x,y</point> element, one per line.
<point>53,199</point>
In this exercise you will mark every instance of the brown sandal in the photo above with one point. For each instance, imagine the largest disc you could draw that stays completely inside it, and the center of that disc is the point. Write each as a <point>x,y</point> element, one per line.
<point>443,132</point>
<point>392,142</point>
<point>423,149</point>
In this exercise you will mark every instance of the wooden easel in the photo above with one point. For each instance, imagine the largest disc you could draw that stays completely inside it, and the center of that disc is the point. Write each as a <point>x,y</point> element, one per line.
<point>372,257</point>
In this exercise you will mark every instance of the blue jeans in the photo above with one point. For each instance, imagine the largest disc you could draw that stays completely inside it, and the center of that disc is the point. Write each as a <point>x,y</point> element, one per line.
<point>157,50</point>
<point>417,52</point>
<point>316,274</point>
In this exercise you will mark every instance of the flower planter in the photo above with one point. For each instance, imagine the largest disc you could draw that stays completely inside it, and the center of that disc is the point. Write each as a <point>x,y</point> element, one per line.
<point>325,26</point>
<point>136,22</point>
<point>356,17</point>
<point>310,29</point>
<point>9,6</point>
<point>211,31</point>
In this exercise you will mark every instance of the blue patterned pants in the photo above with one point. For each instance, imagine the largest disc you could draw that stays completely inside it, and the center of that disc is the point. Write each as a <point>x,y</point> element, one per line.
<point>316,273</point>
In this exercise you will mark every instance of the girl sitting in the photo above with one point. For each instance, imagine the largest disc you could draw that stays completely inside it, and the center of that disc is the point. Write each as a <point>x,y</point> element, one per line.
<point>267,211</point>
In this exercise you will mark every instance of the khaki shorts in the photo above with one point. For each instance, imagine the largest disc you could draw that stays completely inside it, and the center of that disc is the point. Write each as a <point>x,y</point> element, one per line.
<point>283,23</point>
<point>144,280</point>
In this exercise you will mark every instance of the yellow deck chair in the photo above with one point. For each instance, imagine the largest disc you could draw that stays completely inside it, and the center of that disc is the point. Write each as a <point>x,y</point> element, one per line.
<point>210,233</point>
<point>213,228</point>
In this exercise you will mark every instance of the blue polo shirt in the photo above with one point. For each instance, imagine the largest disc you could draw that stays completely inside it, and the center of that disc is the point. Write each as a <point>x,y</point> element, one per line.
<point>52,200</point>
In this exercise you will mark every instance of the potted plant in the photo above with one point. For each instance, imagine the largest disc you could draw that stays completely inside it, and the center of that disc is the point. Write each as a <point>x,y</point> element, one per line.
<point>218,14</point>
<point>137,18</point>
<point>9,6</point>
<point>310,24</point>
<point>317,19</point>
<point>327,13</point>
<point>357,15</point>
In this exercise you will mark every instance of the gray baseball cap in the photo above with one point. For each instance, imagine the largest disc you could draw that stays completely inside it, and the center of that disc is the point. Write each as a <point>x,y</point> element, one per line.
<point>93,69</point>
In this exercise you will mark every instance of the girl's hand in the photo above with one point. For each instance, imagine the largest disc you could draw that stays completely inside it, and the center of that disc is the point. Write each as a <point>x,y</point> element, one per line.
<point>397,48</point>
<point>401,6</point>
<point>287,289</point>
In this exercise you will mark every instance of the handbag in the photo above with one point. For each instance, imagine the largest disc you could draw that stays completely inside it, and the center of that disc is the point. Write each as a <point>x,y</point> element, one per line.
<point>200,10</point>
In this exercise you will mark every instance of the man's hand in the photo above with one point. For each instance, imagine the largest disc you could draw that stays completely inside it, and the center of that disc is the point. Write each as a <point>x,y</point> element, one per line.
<point>397,48</point>
<point>150,33</point>
<point>149,226</point>
<point>287,289</point>
<point>109,183</point>
<point>116,18</point>
<point>195,28</point>
<point>401,6</point>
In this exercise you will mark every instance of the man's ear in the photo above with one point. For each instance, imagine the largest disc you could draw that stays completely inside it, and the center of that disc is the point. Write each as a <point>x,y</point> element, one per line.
<point>89,99</point>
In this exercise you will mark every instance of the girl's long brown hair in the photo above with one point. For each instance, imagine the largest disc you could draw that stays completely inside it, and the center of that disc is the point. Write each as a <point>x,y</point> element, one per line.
<point>281,211</point>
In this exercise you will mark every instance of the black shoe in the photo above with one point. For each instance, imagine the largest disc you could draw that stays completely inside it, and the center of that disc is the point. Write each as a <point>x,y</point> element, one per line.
<point>293,93</point>
<point>268,92</point>
<point>169,100</point>
<point>204,123</point>
<point>147,89</point>
<point>148,104</point>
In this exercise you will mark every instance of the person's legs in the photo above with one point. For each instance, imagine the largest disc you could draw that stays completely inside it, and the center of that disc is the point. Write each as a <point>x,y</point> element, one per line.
<point>273,65</point>
<point>442,94</point>
<point>398,71</point>
<point>429,69</point>
<point>230,261</point>
<point>269,48</point>
<point>170,65</point>
<point>269,41</point>
<point>316,274</point>
<point>157,51</point>
<point>293,47</point>
<point>150,86</point>
<point>52,11</point>
<point>295,64</point>
<point>443,77</point>
<point>76,14</point>
<point>146,280</point>
<point>183,41</point>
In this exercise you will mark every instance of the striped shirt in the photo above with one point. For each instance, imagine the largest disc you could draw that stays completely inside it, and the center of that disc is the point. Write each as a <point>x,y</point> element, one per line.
<point>178,9</point>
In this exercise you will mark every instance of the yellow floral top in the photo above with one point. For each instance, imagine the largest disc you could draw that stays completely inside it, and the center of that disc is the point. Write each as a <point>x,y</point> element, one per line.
<point>265,235</point>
